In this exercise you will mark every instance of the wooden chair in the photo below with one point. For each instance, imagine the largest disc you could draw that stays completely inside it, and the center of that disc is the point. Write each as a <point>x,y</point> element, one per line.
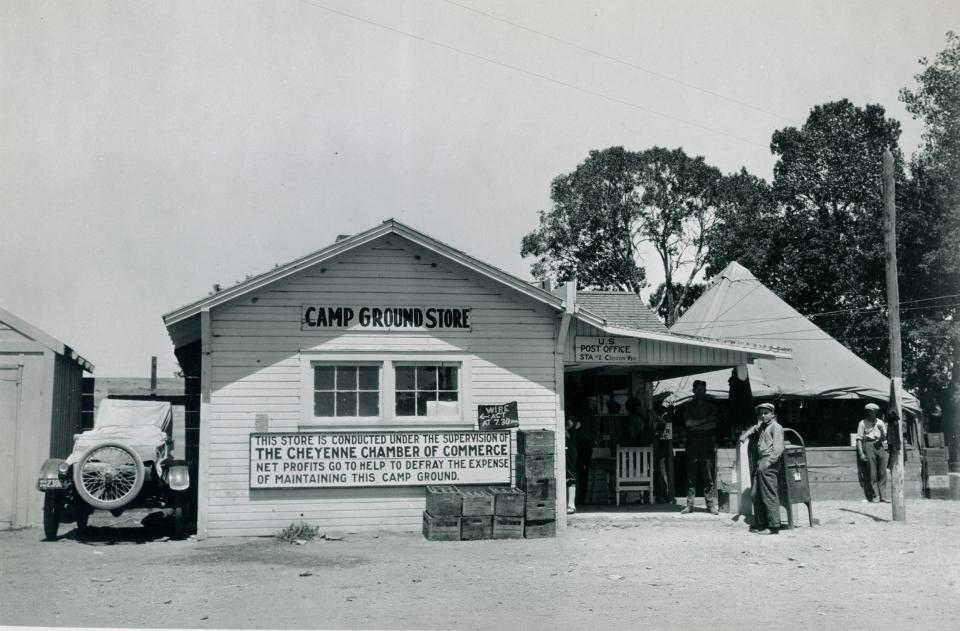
<point>634,471</point>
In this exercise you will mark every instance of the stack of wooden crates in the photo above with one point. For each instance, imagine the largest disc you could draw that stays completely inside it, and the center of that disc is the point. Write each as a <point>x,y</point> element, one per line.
<point>464,513</point>
<point>467,513</point>
<point>935,469</point>
<point>536,459</point>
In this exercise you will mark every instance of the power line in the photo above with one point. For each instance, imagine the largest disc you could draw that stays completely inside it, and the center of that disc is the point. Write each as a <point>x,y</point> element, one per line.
<point>618,60</point>
<point>851,311</point>
<point>565,84</point>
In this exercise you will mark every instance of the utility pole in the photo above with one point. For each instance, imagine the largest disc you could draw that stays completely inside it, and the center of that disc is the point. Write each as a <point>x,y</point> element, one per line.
<point>893,321</point>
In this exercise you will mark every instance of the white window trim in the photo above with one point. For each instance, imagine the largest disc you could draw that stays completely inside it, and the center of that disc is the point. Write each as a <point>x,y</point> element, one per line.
<point>388,417</point>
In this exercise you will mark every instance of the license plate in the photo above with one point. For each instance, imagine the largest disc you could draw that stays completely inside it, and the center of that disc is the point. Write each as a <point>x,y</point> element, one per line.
<point>50,484</point>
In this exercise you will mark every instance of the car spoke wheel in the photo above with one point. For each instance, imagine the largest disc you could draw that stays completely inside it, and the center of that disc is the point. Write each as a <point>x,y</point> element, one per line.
<point>109,476</point>
<point>51,515</point>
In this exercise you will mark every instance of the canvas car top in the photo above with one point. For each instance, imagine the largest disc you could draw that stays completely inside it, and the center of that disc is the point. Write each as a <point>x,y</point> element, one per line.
<point>123,413</point>
<point>140,424</point>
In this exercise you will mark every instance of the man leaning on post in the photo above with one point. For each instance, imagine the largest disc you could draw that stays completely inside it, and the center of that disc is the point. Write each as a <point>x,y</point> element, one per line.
<point>766,448</point>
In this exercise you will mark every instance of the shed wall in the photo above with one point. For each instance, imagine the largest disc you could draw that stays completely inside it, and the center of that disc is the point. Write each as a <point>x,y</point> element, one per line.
<point>258,351</point>
<point>25,433</point>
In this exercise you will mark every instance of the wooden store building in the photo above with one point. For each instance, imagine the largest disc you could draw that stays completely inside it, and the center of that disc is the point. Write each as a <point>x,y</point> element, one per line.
<point>335,388</point>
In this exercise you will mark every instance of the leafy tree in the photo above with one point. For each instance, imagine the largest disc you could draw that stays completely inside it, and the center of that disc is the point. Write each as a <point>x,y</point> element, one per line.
<point>930,207</point>
<point>658,303</point>
<point>614,201</point>
<point>748,227</point>
<point>589,234</point>
<point>815,236</point>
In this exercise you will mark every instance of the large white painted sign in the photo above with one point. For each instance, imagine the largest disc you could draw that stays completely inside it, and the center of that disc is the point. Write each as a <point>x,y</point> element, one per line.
<point>380,317</point>
<point>607,350</point>
<point>305,460</point>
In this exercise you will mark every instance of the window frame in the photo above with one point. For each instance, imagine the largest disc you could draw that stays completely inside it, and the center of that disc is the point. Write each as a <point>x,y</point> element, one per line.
<point>351,364</point>
<point>387,400</point>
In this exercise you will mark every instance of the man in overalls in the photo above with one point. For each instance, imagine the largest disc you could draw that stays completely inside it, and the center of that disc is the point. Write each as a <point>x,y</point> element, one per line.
<point>766,448</point>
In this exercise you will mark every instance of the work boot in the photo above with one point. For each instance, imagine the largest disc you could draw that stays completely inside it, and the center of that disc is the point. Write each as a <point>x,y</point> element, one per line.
<point>713,510</point>
<point>686,510</point>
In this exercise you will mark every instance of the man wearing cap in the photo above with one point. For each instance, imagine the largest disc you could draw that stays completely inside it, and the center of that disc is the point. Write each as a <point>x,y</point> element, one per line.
<point>871,434</point>
<point>766,447</point>
<point>700,422</point>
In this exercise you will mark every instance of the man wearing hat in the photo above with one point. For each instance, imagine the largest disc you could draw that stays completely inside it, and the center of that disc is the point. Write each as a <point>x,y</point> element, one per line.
<point>766,448</point>
<point>871,434</point>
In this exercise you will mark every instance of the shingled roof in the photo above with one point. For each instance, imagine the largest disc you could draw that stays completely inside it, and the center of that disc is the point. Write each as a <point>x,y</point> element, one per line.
<point>620,308</point>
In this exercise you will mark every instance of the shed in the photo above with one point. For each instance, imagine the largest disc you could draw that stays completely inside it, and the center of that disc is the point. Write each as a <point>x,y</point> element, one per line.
<point>40,398</point>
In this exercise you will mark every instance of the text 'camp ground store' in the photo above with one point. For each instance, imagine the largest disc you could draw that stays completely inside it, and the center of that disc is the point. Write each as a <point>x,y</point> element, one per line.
<point>335,388</point>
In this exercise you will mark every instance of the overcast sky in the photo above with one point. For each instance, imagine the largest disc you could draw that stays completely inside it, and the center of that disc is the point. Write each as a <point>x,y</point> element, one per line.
<point>151,149</point>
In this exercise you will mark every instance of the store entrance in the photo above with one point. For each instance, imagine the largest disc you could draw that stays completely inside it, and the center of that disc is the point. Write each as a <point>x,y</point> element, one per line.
<point>619,445</point>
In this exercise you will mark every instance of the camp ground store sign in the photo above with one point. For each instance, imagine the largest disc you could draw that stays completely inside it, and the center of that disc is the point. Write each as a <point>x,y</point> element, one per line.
<point>341,460</point>
<point>384,317</point>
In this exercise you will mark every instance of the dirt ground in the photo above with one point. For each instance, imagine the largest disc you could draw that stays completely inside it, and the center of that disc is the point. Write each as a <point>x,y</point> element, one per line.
<point>856,569</point>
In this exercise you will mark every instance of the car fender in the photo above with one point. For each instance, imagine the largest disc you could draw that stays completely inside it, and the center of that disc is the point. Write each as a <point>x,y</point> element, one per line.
<point>50,471</point>
<point>178,476</point>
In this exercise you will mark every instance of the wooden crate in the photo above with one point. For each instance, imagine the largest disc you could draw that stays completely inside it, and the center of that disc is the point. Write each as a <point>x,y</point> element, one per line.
<point>938,482</point>
<point>477,501</point>
<point>536,442</point>
<point>444,500</point>
<point>935,454</point>
<point>540,489</point>
<point>939,494</point>
<point>540,510</point>
<point>534,467</point>
<point>474,528</point>
<point>507,527</point>
<point>935,467</point>
<point>539,529</point>
<point>507,502</point>
<point>933,439</point>
<point>441,527</point>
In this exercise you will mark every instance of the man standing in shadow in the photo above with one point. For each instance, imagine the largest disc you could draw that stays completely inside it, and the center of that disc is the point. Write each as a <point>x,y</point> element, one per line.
<point>700,422</point>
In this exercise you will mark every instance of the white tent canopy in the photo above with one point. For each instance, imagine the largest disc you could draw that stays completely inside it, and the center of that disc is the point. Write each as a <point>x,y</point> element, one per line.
<point>738,307</point>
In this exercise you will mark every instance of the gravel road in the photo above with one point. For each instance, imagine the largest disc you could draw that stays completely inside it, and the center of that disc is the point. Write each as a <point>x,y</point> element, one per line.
<point>855,570</point>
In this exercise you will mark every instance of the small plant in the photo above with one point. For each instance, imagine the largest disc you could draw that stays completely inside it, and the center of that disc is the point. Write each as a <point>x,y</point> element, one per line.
<point>298,532</point>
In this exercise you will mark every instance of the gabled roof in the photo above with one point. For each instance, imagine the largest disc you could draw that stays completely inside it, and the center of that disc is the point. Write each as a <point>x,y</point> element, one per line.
<point>185,319</point>
<point>388,227</point>
<point>738,307</point>
<point>35,334</point>
<point>620,308</point>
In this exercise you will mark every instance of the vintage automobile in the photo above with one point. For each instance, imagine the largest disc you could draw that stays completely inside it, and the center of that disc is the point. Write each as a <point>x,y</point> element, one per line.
<point>124,462</point>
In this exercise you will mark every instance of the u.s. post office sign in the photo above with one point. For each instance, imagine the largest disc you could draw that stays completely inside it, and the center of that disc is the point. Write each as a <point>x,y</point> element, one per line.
<point>334,460</point>
<point>383,317</point>
<point>607,350</point>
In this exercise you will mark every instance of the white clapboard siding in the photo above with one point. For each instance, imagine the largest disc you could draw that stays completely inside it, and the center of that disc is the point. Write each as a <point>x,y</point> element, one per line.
<point>257,342</point>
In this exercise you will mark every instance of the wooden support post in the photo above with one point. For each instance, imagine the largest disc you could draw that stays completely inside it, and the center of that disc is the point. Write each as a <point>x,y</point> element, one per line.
<point>893,321</point>
<point>153,376</point>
